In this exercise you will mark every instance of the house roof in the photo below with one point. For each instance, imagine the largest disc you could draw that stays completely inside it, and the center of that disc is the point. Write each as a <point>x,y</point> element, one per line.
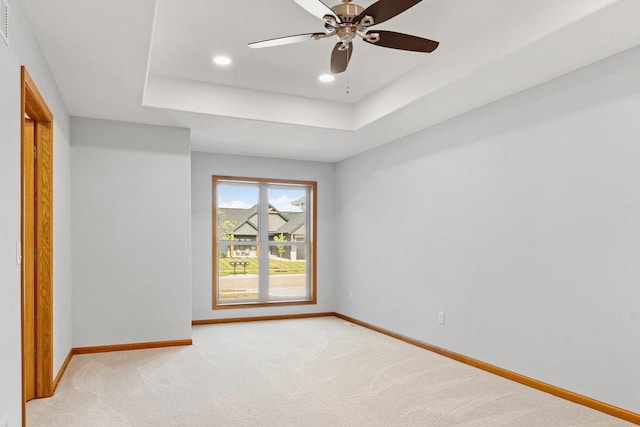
<point>298,202</point>
<point>239,216</point>
<point>293,220</point>
<point>296,220</point>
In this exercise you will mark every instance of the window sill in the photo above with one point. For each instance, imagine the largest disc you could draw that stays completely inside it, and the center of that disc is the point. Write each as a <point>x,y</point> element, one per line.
<point>231,305</point>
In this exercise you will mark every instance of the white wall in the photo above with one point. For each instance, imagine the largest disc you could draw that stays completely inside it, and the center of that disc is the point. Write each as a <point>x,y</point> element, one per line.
<point>203,166</point>
<point>131,233</point>
<point>521,220</point>
<point>24,50</point>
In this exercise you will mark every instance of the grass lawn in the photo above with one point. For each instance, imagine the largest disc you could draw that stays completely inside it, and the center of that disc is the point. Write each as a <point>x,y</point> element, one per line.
<point>276,266</point>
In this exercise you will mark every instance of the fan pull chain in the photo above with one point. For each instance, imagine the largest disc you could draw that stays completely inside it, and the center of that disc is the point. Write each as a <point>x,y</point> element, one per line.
<point>347,87</point>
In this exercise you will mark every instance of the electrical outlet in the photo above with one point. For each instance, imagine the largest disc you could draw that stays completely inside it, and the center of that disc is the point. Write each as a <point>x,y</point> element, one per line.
<point>441,317</point>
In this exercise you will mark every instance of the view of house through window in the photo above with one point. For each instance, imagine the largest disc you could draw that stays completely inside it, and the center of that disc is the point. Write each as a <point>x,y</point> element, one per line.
<point>263,242</point>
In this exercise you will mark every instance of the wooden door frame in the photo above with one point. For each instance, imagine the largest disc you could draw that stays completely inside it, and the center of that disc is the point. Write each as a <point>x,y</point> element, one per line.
<point>34,106</point>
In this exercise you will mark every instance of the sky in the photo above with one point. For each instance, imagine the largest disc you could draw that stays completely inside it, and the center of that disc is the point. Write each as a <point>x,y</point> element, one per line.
<point>244,196</point>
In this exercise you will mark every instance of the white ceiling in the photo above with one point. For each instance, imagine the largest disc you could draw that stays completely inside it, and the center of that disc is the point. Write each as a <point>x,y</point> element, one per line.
<point>149,61</point>
<point>181,28</point>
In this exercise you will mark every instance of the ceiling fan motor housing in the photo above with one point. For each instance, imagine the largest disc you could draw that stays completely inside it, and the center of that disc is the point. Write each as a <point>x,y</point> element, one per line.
<point>347,12</point>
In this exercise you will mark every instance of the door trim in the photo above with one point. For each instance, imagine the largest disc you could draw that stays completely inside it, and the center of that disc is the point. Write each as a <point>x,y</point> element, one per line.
<point>28,259</point>
<point>34,106</point>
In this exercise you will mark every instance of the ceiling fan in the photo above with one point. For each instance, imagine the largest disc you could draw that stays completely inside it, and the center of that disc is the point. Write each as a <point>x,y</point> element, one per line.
<point>346,21</point>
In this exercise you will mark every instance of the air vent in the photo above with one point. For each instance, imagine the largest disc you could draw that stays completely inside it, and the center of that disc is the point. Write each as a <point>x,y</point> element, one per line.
<point>4,21</point>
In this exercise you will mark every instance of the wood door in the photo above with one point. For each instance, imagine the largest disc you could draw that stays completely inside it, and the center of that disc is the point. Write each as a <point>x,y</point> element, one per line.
<point>28,258</point>
<point>37,243</point>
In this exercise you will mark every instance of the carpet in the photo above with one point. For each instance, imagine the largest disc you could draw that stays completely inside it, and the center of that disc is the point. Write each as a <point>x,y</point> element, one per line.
<point>303,372</point>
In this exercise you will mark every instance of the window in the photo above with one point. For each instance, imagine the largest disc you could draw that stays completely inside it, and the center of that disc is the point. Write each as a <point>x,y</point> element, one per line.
<point>263,242</point>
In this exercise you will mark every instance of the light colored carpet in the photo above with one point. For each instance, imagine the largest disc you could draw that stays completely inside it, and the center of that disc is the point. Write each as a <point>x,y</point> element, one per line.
<point>307,372</point>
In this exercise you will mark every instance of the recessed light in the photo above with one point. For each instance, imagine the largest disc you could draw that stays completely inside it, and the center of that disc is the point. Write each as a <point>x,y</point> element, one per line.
<point>222,60</point>
<point>326,78</point>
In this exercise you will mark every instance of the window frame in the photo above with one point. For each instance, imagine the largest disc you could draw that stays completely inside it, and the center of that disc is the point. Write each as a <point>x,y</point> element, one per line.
<point>311,227</point>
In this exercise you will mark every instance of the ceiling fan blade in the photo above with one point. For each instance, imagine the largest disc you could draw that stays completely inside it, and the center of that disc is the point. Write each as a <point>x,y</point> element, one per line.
<point>285,40</point>
<point>317,9</point>
<point>340,58</point>
<point>383,10</point>
<point>402,41</point>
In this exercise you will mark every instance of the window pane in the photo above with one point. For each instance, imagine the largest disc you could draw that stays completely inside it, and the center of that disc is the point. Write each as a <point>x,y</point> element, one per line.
<point>263,250</point>
<point>287,215</point>
<point>237,271</point>
<point>287,271</point>
<point>237,215</point>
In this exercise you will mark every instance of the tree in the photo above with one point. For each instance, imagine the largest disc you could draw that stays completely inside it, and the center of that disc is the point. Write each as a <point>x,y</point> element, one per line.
<point>225,229</point>
<point>280,238</point>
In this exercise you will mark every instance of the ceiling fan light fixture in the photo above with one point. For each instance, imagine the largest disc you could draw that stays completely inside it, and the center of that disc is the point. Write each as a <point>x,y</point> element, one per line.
<point>222,60</point>
<point>326,78</point>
